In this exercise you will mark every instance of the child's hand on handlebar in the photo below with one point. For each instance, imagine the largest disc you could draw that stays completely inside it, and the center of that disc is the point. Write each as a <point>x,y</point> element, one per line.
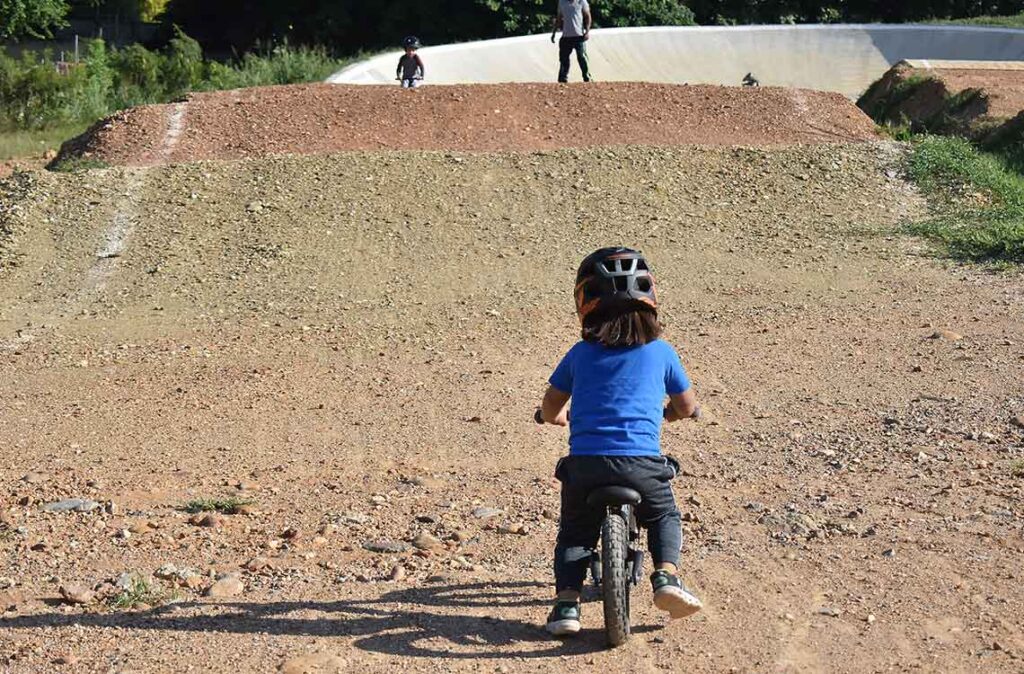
<point>561,420</point>
<point>669,414</point>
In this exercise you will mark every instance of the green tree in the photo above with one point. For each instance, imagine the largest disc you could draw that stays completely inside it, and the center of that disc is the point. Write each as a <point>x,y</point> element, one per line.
<point>31,18</point>
<point>642,13</point>
<point>183,64</point>
<point>99,80</point>
<point>136,75</point>
<point>151,10</point>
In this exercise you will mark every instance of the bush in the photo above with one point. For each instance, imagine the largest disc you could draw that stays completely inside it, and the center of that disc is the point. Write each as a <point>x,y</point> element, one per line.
<point>137,76</point>
<point>35,95</point>
<point>182,69</point>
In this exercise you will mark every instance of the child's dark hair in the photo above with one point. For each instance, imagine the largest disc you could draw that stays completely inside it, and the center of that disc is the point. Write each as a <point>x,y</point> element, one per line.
<point>633,327</point>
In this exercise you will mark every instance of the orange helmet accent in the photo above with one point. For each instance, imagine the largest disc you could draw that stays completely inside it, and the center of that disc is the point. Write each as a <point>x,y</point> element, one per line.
<point>612,279</point>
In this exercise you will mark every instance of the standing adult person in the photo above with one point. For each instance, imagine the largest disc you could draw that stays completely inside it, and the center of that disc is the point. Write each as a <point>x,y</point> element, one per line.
<point>574,19</point>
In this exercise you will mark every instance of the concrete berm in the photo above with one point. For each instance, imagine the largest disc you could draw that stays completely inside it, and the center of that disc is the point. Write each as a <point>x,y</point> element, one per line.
<point>841,58</point>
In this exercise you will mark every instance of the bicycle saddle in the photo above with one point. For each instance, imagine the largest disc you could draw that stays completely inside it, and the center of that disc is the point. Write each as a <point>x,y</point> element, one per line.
<point>611,496</point>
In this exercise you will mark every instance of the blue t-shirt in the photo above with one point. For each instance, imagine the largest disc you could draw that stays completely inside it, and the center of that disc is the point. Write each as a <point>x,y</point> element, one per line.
<point>618,395</point>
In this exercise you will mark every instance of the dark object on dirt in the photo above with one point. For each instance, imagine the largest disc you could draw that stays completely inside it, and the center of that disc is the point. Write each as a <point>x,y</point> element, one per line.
<point>750,81</point>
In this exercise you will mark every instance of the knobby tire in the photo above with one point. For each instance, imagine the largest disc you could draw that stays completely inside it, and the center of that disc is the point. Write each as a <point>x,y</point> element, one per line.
<point>615,581</point>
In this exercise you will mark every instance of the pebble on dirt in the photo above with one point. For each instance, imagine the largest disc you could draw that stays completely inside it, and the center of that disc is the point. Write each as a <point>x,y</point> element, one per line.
<point>947,335</point>
<point>77,594</point>
<point>228,586</point>
<point>385,546</point>
<point>80,505</point>
<point>425,541</point>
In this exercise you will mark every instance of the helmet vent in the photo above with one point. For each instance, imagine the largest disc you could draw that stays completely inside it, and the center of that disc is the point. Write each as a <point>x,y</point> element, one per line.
<point>621,284</point>
<point>643,284</point>
<point>641,264</point>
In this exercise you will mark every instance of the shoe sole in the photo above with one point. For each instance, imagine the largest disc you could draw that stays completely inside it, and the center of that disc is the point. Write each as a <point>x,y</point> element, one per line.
<point>678,603</point>
<point>561,628</point>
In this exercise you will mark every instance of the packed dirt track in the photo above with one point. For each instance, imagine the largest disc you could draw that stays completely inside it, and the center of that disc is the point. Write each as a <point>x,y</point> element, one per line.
<point>322,118</point>
<point>352,345</point>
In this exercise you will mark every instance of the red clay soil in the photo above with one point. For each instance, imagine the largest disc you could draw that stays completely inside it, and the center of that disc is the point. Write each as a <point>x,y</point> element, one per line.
<point>1003,89</point>
<point>321,118</point>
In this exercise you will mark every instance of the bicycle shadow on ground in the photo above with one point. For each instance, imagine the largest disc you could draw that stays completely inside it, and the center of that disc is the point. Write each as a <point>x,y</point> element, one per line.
<point>396,623</point>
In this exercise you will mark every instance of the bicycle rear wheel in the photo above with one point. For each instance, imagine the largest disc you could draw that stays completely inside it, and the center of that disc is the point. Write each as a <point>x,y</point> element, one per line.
<point>615,578</point>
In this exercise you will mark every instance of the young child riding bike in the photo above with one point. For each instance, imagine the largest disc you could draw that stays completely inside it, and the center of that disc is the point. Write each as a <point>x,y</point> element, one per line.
<point>410,66</point>
<point>618,377</point>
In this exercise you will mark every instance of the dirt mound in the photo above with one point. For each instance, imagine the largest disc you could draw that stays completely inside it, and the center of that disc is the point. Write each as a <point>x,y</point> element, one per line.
<point>320,118</point>
<point>362,369</point>
<point>974,100</point>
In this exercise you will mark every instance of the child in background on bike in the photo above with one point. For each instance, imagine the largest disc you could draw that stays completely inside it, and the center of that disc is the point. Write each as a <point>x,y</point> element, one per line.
<point>618,377</point>
<point>410,66</point>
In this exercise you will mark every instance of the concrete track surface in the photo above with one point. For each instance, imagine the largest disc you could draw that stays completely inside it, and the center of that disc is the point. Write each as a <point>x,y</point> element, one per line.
<point>843,58</point>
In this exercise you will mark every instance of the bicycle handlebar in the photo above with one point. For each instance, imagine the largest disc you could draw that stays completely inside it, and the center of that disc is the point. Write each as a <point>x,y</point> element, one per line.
<point>537,418</point>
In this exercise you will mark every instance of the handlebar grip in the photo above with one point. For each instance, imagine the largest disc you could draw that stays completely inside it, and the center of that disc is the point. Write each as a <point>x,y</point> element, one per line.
<point>537,418</point>
<point>695,415</point>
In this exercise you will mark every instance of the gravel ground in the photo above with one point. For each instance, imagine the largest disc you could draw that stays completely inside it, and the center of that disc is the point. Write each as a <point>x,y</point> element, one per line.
<point>321,118</point>
<point>354,343</point>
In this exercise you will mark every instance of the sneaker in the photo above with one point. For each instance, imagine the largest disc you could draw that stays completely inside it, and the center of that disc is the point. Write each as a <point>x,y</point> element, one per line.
<point>672,596</point>
<point>564,618</point>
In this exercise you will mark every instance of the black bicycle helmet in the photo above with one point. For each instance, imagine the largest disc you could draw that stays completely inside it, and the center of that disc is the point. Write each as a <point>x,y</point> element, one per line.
<point>411,42</point>
<point>614,279</point>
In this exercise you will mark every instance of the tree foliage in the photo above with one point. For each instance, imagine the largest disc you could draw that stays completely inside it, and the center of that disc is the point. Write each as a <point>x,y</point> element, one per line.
<point>35,94</point>
<point>832,11</point>
<point>30,18</point>
<point>350,26</point>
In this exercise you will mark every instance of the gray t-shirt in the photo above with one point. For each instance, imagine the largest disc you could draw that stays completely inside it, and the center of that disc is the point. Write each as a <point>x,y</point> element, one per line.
<point>572,16</point>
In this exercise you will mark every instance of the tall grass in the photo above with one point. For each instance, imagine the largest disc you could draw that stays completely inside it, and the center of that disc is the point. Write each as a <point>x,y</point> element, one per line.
<point>979,198</point>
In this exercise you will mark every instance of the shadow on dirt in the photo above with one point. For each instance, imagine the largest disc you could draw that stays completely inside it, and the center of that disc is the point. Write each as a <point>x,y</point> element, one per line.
<point>396,623</point>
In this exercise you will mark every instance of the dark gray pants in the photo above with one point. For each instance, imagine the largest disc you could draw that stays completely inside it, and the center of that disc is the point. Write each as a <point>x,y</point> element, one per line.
<point>566,45</point>
<point>580,525</point>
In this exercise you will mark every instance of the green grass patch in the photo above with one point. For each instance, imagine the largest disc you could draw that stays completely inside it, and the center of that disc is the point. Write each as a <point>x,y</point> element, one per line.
<point>141,591</point>
<point>978,200</point>
<point>228,505</point>
<point>899,131</point>
<point>35,142</point>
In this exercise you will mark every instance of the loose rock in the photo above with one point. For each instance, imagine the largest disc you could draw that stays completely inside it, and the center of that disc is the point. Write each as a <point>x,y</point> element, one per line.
<point>76,504</point>
<point>228,586</point>
<point>947,335</point>
<point>385,546</point>
<point>425,541</point>
<point>77,594</point>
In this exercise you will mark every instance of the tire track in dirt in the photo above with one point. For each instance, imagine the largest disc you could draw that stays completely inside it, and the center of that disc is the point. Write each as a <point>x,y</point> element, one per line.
<point>114,240</point>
